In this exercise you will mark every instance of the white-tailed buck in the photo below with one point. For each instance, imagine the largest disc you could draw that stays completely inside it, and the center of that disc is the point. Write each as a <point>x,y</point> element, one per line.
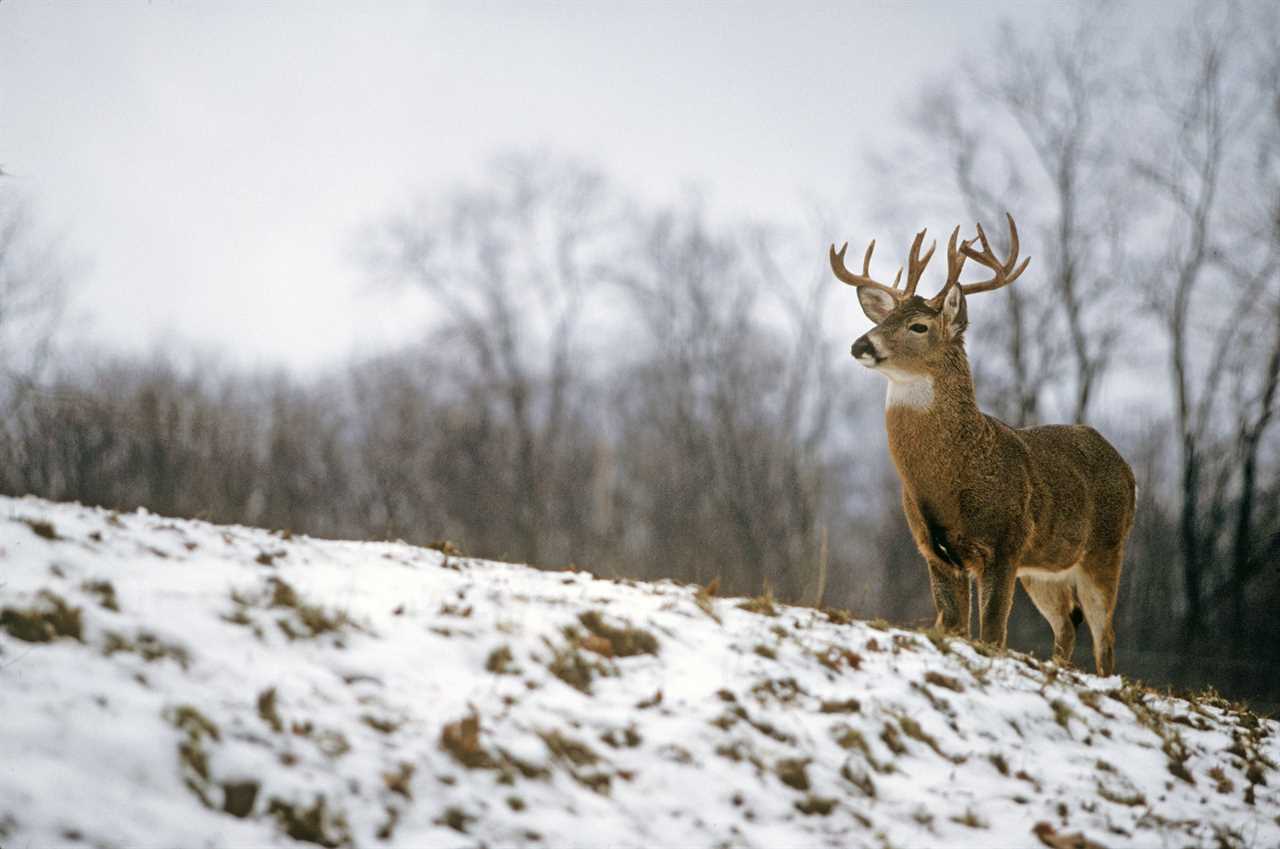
<point>1049,505</point>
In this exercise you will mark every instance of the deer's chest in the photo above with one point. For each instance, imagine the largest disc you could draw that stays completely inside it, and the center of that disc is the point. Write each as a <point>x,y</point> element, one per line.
<point>954,526</point>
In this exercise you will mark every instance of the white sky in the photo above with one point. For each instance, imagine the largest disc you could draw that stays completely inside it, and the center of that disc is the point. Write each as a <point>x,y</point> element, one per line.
<point>211,164</point>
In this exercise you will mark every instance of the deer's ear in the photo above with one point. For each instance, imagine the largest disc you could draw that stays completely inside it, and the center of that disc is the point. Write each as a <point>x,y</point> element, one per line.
<point>955,315</point>
<point>877,304</point>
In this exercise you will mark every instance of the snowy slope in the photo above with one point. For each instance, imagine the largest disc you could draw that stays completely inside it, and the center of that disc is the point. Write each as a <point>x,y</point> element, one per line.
<point>167,682</point>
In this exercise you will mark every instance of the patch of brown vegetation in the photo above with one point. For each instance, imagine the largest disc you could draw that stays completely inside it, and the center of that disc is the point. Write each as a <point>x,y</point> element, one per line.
<point>1057,840</point>
<point>565,747</point>
<point>268,711</point>
<point>500,661</point>
<point>620,738</point>
<point>311,825</point>
<point>146,645</point>
<point>308,620</point>
<point>398,782</point>
<point>836,658</point>
<point>624,641</point>
<point>793,772</point>
<point>905,642</point>
<point>455,818</point>
<point>761,604</point>
<point>812,805</point>
<point>445,547</point>
<point>569,665</point>
<point>1062,714</point>
<point>703,595</point>
<point>48,619</point>
<point>105,592</point>
<point>969,819</point>
<point>238,797</point>
<point>380,724</point>
<point>913,730</point>
<point>891,738</point>
<point>859,778</point>
<point>837,616</point>
<point>193,760</point>
<point>461,739</point>
<point>947,682</point>
<point>652,701</point>
<point>1129,796</point>
<point>784,690</point>
<point>39,527</point>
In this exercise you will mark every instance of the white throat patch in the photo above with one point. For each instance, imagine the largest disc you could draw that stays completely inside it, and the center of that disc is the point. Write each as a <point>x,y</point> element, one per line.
<point>916,394</point>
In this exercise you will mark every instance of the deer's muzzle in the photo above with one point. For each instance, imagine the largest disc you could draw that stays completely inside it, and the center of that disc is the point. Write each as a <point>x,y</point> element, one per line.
<point>864,351</point>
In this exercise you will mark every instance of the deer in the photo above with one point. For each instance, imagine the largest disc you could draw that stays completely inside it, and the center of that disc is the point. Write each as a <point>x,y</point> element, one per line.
<point>1049,505</point>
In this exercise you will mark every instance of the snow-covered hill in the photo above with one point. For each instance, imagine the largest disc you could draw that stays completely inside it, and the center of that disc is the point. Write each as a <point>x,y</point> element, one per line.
<point>167,682</point>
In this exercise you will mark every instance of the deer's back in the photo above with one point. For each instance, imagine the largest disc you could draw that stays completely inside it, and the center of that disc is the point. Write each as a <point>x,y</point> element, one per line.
<point>1082,492</point>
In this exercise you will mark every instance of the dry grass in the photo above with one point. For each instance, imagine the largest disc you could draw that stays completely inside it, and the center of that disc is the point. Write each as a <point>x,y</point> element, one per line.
<point>41,528</point>
<point>145,645</point>
<point>969,819</point>
<point>461,739</point>
<point>50,618</point>
<point>624,641</point>
<point>762,604</point>
<point>812,805</point>
<point>947,682</point>
<point>501,661</point>
<point>104,591</point>
<point>793,772</point>
<point>314,824</point>
<point>268,711</point>
<point>570,666</point>
<point>703,598</point>
<point>569,749</point>
<point>398,782</point>
<point>193,759</point>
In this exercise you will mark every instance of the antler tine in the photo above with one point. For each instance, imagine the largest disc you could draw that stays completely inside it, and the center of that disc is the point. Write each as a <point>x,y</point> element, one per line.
<point>864,279</point>
<point>915,264</point>
<point>1005,272</point>
<point>955,259</point>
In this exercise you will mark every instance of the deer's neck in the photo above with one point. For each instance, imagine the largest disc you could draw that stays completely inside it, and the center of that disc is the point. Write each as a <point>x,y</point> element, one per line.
<point>933,422</point>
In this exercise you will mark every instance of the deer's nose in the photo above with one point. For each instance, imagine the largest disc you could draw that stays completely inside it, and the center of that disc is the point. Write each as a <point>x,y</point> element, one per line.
<point>863,348</point>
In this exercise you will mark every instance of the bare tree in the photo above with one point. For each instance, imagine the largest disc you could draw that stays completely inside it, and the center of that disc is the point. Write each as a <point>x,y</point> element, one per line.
<point>33,292</point>
<point>1028,128</point>
<point>1212,286</point>
<point>728,408</point>
<point>509,269</point>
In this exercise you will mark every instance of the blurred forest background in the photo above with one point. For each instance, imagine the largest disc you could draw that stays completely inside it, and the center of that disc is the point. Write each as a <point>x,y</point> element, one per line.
<point>643,392</point>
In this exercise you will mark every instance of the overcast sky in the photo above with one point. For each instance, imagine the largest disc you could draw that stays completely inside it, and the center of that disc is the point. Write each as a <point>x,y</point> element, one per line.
<point>209,165</point>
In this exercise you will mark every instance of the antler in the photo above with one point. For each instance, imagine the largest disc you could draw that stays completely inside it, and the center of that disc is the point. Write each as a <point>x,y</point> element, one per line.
<point>1005,272</point>
<point>955,259</point>
<point>915,267</point>
<point>863,279</point>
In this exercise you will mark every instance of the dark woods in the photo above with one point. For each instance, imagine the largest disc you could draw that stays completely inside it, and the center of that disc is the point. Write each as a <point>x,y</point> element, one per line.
<point>646,393</point>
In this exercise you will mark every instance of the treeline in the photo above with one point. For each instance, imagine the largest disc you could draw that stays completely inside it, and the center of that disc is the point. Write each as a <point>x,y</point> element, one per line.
<point>624,390</point>
<point>646,393</point>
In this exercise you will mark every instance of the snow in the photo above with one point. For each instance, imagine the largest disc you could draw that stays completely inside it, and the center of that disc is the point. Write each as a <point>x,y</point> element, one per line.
<point>359,694</point>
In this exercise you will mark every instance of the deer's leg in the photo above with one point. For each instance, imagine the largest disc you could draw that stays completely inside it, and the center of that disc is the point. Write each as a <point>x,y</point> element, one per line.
<point>950,587</point>
<point>1097,586</point>
<point>1055,600</point>
<point>995,600</point>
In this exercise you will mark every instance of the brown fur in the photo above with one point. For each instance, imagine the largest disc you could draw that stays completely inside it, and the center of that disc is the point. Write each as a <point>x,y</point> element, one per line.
<point>995,503</point>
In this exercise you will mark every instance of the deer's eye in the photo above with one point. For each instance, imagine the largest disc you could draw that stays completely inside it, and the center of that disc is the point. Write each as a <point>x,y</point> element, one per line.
<point>919,328</point>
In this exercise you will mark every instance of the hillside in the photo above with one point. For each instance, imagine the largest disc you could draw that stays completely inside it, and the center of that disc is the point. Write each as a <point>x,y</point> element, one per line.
<point>169,682</point>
